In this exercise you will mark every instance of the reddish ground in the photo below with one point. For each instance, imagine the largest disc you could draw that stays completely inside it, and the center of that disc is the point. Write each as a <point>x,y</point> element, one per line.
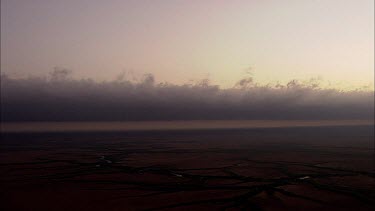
<point>312,168</point>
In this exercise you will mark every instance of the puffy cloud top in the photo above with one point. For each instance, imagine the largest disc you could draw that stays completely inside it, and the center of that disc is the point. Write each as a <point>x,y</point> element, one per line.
<point>60,98</point>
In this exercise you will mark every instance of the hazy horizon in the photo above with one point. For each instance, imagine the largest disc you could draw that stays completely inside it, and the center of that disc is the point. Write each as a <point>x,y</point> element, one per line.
<point>180,41</point>
<point>61,98</point>
<point>186,60</point>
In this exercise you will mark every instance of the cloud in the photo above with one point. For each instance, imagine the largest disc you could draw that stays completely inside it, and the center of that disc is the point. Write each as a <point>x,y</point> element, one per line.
<point>61,98</point>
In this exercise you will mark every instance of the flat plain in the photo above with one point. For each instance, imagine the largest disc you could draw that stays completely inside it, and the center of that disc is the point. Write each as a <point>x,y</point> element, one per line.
<point>304,168</point>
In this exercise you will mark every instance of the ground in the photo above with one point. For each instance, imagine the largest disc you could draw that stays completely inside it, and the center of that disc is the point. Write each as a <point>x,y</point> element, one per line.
<point>306,168</point>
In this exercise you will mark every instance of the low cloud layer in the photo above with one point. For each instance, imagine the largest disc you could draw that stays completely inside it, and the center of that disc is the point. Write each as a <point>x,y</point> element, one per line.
<point>58,98</point>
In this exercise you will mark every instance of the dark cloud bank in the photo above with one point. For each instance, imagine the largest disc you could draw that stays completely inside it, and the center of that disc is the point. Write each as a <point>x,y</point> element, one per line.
<point>59,98</point>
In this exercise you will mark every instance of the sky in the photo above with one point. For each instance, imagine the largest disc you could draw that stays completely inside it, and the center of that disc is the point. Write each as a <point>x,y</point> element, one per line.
<point>178,41</point>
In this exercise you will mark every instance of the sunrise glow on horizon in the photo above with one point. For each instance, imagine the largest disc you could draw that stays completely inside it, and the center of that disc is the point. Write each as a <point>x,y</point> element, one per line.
<point>178,41</point>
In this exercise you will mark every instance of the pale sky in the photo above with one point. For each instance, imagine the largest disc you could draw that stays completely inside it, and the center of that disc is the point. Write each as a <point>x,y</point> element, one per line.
<point>181,40</point>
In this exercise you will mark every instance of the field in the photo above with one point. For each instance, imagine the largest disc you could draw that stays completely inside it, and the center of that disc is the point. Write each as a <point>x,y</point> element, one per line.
<point>305,168</point>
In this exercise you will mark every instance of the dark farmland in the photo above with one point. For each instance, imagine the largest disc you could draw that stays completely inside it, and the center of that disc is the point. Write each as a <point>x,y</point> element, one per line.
<point>305,168</point>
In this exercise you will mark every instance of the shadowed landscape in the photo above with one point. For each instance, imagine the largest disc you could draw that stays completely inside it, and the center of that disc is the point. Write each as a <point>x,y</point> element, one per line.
<point>196,105</point>
<point>308,168</point>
